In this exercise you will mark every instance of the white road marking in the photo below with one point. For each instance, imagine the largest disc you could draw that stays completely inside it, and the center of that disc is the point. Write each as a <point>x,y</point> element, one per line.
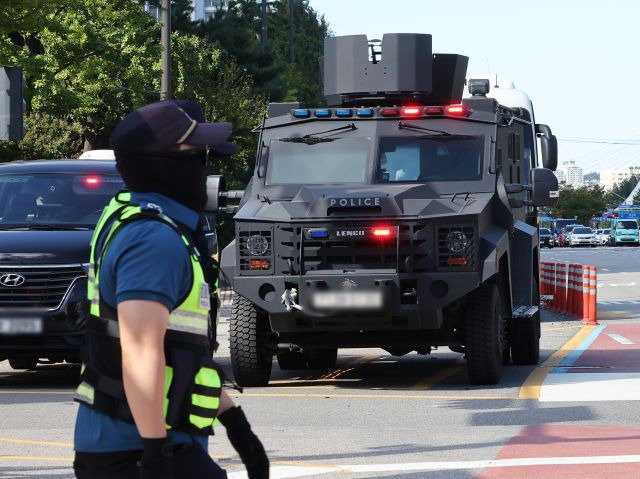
<point>569,387</point>
<point>620,339</point>
<point>284,472</point>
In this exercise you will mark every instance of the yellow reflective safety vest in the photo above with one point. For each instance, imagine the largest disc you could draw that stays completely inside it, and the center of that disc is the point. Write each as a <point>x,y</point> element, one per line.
<point>193,381</point>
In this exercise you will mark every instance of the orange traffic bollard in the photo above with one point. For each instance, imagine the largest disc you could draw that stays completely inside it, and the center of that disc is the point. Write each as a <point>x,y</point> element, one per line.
<point>592,317</point>
<point>560,302</point>
<point>584,292</point>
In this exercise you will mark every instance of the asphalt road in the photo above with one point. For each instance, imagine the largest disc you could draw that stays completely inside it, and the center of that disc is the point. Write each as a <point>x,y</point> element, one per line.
<point>577,414</point>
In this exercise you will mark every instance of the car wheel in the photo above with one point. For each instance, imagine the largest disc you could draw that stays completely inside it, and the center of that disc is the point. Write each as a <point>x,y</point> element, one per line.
<point>249,344</point>
<point>484,335</point>
<point>23,363</point>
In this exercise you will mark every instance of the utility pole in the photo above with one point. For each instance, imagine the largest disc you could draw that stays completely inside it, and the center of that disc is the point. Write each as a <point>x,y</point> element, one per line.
<point>264,25</point>
<point>292,52</point>
<point>165,83</point>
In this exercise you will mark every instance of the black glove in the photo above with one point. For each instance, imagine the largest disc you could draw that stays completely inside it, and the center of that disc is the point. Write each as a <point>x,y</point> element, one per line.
<point>246,443</point>
<point>156,462</point>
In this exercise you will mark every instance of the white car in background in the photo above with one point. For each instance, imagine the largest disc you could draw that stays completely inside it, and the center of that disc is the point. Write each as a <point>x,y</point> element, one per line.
<point>582,236</point>
<point>603,236</point>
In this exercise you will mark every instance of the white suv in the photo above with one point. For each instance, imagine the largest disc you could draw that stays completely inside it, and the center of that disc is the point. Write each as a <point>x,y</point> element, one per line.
<point>582,236</point>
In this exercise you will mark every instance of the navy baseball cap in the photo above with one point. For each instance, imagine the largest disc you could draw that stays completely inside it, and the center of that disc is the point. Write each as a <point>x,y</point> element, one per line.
<point>164,126</point>
<point>194,110</point>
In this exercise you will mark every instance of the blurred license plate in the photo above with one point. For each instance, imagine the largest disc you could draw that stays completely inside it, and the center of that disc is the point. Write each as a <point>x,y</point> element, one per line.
<point>21,326</point>
<point>347,300</point>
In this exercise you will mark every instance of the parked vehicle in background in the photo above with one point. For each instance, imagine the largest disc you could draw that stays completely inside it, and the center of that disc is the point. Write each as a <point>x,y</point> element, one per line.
<point>604,236</point>
<point>582,236</point>
<point>624,232</point>
<point>561,223</point>
<point>546,237</point>
<point>567,233</point>
<point>48,210</point>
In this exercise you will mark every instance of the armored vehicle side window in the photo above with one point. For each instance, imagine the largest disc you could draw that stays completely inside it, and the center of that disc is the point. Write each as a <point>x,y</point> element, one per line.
<point>437,158</point>
<point>340,160</point>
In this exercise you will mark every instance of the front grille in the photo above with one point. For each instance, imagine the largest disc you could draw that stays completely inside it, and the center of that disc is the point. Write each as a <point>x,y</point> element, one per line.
<point>44,286</point>
<point>408,252</point>
<point>447,258</point>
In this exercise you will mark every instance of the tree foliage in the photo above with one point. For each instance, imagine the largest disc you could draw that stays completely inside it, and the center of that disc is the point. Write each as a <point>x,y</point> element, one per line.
<point>100,59</point>
<point>583,202</point>
<point>238,31</point>
<point>621,191</point>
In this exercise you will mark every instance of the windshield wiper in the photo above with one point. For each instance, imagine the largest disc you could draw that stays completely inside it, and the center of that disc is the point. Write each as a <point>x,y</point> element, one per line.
<point>312,139</point>
<point>409,126</point>
<point>47,227</point>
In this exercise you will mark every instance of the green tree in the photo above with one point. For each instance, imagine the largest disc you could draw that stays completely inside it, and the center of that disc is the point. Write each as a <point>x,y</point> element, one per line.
<point>583,202</point>
<point>91,50</point>
<point>237,30</point>
<point>621,191</point>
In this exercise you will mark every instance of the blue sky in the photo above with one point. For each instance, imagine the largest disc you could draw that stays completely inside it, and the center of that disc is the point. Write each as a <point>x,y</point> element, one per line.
<point>579,61</point>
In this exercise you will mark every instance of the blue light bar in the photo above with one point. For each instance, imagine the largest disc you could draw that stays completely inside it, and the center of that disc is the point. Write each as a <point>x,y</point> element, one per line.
<point>318,234</point>
<point>301,113</point>
<point>344,112</point>
<point>322,113</point>
<point>365,112</point>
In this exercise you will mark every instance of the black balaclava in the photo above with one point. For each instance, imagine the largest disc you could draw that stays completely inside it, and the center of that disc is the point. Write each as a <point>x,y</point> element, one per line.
<point>180,175</point>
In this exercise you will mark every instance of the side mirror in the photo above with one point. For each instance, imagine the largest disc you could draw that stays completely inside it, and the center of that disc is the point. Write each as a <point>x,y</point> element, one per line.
<point>549,145</point>
<point>215,185</point>
<point>544,187</point>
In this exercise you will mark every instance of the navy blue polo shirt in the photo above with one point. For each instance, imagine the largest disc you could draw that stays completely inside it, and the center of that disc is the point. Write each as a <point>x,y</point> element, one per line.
<point>146,260</point>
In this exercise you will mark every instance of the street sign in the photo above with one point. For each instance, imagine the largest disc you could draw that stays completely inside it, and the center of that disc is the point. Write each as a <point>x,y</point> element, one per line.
<point>12,104</point>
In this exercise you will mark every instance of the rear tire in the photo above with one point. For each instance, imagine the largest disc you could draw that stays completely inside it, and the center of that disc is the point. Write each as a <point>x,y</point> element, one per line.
<point>292,360</point>
<point>251,355</point>
<point>484,335</point>
<point>322,358</point>
<point>23,363</point>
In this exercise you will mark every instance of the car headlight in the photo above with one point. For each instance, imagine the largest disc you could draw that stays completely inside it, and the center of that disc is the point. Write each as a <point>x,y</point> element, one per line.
<point>456,241</point>
<point>257,245</point>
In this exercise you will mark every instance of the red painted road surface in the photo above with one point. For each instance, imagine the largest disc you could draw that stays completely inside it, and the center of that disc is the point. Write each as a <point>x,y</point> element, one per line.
<point>616,357</point>
<point>553,440</point>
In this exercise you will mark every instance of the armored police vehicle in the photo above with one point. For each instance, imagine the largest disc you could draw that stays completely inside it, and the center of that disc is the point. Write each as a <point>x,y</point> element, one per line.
<point>401,216</point>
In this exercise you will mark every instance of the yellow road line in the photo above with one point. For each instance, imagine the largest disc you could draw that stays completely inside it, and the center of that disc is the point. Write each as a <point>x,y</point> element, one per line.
<point>378,396</point>
<point>530,389</point>
<point>435,378</point>
<point>564,328</point>
<point>28,441</point>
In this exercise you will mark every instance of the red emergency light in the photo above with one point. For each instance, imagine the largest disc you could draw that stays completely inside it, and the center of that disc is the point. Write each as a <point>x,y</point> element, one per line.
<point>411,111</point>
<point>382,232</point>
<point>456,110</point>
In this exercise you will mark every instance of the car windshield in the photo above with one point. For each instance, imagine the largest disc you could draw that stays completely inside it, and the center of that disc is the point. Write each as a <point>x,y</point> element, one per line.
<point>606,232</point>
<point>627,225</point>
<point>545,231</point>
<point>430,158</point>
<point>582,231</point>
<point>341,160</point>
<point>59,199</point>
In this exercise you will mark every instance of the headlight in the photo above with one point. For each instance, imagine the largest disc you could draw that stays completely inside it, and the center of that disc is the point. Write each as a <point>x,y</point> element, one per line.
<point>456,241</point>
<point>257,245</point>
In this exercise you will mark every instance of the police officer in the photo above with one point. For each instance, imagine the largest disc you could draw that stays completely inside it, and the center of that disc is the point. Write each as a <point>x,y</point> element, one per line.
<point>150,393</point>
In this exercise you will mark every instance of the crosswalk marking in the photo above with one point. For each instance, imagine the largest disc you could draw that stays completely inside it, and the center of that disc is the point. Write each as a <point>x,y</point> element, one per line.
<point>620,339</point>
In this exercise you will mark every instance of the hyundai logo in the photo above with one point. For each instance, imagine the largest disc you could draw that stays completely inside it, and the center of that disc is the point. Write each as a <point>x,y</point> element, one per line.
<point>12,280</point>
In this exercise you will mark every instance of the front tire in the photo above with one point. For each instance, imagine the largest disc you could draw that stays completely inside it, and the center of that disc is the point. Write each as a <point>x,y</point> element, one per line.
<point>251,355</point>
<point>484,335</point>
